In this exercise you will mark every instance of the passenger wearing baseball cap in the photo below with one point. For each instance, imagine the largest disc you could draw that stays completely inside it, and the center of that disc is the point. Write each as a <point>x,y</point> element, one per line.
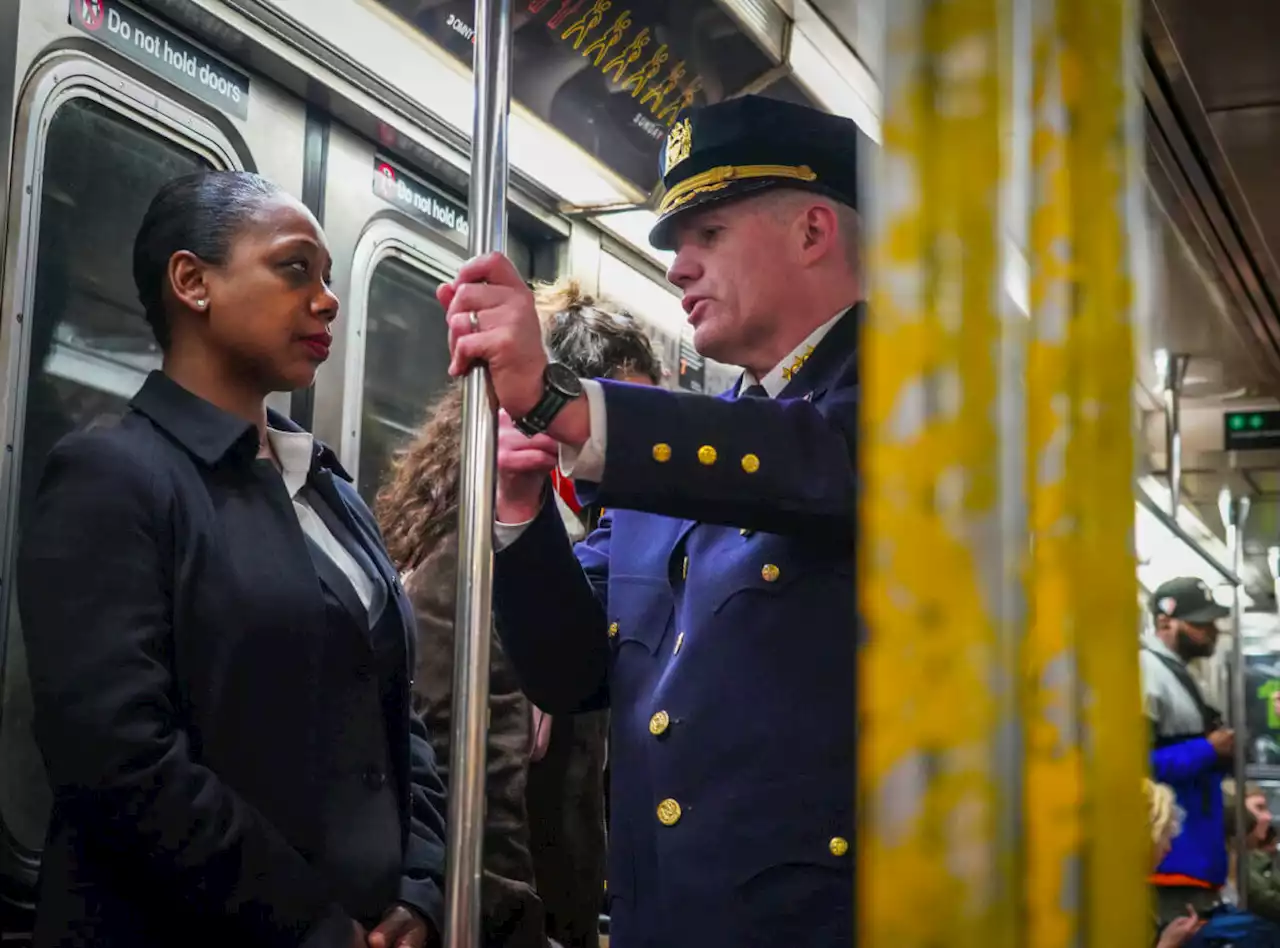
<point>1191,601</point>
<point>1191,750</point>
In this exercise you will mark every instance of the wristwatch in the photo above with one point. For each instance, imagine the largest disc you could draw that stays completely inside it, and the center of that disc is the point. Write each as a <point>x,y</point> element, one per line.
<point>560,386</point>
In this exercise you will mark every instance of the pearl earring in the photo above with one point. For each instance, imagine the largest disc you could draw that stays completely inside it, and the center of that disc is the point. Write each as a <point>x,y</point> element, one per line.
<point>202,303</point>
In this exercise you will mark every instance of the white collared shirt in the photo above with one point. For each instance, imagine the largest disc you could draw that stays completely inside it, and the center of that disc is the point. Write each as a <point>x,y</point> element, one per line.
<point>293,449</point>
<point>779,376</point>
<point>587,462</point>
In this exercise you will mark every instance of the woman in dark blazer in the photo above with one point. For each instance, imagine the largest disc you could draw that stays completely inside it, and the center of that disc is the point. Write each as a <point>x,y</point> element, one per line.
<point>219,647</point>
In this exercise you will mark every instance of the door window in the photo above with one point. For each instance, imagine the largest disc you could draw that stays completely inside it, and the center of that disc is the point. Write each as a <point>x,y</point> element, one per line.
<point>406,347</point>
<point>89,350</point>
<point>406,363</point>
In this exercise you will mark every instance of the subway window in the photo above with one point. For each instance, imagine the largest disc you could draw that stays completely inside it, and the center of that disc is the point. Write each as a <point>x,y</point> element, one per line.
<point>406,362</point>
<point>89,351</point>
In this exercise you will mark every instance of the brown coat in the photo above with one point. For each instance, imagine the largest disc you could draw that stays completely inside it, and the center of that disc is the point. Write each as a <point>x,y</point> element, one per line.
<point>512,914</point>
<point>567,831</point>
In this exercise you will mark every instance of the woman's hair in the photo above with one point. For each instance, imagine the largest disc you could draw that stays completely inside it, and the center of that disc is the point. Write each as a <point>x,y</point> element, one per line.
<point>419,502</point>
<point>201,213</point>
<point>592,339</point>
<point>1164,817</point>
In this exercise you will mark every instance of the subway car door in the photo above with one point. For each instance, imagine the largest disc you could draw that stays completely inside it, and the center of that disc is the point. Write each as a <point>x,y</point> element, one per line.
<point>98,130</point>
<point>404,235</point>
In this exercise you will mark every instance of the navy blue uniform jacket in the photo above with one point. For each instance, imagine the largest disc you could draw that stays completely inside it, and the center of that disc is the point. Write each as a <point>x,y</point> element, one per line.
<point>226,728</point>
<point>713,612</point>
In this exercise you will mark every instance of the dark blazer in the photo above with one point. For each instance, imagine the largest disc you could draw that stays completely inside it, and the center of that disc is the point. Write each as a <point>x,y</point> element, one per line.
<point>227,730</point>
<point>713,612</point>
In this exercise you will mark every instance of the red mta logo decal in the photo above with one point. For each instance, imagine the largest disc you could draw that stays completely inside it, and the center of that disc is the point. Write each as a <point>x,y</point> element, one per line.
<point>91,14</point>
<point>385,183</point>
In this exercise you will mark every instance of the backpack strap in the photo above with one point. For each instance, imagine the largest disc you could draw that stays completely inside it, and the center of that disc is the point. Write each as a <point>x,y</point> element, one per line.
<point>1211,718</point>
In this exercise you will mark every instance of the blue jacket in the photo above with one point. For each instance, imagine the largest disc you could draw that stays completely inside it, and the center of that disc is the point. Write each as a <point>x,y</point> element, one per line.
<point>1185,760</point>
<point>1193,770</point>
<point>713,612</point>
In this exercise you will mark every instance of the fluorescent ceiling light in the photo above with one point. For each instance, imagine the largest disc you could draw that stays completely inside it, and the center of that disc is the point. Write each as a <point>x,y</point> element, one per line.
<point>651,301</point>
<point>763,20</point>
<point>560,166</point>
<point>632,227</point>
<point>828,69</point>
<point>1162,554</point>
<point>1188,519</point>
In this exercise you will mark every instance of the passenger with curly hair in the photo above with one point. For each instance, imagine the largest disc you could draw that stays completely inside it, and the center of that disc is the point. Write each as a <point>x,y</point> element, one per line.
<point>544,879</point>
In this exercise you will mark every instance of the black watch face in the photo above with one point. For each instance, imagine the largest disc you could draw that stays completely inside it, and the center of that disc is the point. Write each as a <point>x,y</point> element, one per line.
<point>563,380</point>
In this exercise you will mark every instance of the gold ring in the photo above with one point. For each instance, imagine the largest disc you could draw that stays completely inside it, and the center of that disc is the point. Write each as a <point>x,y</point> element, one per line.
<point>475,321</point>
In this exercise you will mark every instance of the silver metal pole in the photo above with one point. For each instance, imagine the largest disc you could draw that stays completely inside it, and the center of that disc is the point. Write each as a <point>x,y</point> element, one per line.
<point>1235,516</point>
<point>474,620</point>
<point>1175,372</point>
<point>1273,563</point>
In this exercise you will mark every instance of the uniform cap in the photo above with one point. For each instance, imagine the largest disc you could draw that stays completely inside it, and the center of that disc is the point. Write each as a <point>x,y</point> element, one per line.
<point>751,144</point>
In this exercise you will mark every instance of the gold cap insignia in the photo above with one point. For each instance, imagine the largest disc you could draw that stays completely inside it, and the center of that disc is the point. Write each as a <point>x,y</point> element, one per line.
<point>679,143</point>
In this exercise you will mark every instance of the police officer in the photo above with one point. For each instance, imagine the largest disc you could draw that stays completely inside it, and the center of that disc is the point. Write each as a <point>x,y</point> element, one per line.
<point>713,608</point>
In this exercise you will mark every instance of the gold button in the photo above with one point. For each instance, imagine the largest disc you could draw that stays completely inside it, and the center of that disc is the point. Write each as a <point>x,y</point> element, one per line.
<point>750,463</point>
<point>838,846</point>
<point>662,453</point>
<point>679,644</point>
<point>668,812</point>
<point>707,455</point>
<point>770,573</point>
<point>658,723</point>
<point>745,532</point>
<point>613,630</point>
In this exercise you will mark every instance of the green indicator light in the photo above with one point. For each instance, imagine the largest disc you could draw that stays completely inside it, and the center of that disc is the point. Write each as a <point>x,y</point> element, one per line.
<point>1255,422</point>
<point>1235,422</point>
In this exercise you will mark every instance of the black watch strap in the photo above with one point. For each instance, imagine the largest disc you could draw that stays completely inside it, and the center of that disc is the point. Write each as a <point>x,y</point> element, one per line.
<point>560,386</point>
<point>542,414</point>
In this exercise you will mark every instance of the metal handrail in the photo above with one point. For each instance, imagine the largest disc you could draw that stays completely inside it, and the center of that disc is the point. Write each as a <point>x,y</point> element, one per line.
<point>1192,543</point>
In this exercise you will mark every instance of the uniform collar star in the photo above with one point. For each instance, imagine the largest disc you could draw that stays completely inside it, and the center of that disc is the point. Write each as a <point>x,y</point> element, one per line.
<point>797,364</point>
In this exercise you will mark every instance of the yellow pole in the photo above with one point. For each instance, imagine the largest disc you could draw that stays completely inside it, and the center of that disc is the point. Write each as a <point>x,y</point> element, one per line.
<point>941,862</point>
<point>939,768</point>
<point>1051,710</point>
<point>1100,43</point>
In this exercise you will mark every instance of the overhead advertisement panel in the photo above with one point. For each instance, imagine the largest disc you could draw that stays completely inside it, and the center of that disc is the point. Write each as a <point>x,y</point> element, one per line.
<point>613,76</point>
